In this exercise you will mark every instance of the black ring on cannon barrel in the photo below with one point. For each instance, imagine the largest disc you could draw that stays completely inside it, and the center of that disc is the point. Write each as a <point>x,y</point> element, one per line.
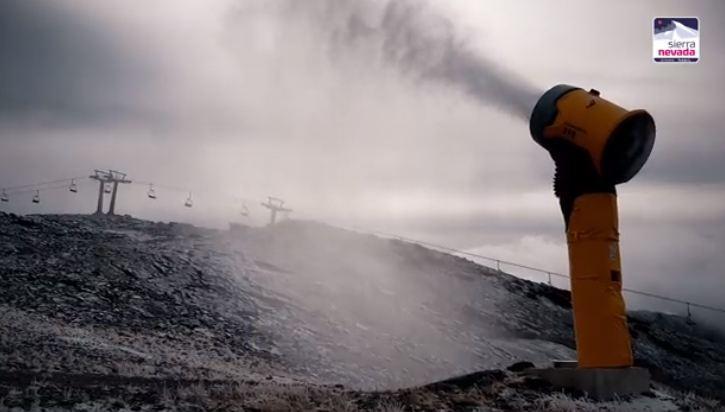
<point>545,111</point>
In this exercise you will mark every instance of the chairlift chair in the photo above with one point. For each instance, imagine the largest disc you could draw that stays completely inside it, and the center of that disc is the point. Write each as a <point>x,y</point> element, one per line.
<point>245,210</point>
<point>36,197</point>
<point>73,186</point>
<point>151,193</point>
<point>188,202</point>
<point>107,188</point>
<point>4,196</point>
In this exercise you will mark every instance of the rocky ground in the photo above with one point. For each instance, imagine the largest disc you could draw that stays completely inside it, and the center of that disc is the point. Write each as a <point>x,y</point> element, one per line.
<point>116,313</point>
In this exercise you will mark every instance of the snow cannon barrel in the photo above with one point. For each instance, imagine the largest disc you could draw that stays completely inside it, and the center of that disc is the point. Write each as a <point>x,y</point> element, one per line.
<point>618,141</point>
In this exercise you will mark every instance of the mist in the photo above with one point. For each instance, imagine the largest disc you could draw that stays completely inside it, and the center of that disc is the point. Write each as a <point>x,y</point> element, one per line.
<point>411,37</point>
<point>384,115</point>
<point>396,314</point>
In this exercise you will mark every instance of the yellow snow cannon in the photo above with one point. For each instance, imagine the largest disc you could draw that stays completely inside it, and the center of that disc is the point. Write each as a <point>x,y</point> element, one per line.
<point>595,145</point>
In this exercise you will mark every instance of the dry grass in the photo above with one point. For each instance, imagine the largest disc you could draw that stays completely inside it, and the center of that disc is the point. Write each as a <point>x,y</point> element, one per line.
<point>272,397</point>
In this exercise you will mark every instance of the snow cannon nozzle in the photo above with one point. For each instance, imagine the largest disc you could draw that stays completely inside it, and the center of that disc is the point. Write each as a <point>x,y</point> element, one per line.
<point>618,141</point>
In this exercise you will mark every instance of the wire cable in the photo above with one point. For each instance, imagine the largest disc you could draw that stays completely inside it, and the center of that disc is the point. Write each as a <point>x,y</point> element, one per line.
<point>544,271</point>
<point>34,185</point>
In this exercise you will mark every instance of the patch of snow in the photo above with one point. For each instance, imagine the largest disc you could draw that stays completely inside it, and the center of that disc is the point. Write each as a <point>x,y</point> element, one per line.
<point>95,344</point>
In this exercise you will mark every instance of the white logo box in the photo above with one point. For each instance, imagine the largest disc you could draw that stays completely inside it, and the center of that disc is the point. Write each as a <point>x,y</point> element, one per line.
<point>676,39</point>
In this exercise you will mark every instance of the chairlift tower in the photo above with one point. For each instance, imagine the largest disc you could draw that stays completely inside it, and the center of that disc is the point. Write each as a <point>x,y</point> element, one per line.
<point>106,177</point>
<point>275,205</point>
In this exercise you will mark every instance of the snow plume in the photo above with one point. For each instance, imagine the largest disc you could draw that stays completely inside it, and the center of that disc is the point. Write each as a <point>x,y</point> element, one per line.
<point>412,38</point>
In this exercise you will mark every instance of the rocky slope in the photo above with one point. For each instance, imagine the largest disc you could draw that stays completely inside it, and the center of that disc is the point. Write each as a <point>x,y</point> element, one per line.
<point>299,303</point>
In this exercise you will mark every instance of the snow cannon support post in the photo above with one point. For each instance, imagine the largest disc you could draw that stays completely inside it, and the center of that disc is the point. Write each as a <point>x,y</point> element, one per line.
<point>595,145</point>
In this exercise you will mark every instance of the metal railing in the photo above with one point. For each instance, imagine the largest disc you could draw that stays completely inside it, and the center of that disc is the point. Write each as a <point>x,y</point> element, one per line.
<point>687,304</point>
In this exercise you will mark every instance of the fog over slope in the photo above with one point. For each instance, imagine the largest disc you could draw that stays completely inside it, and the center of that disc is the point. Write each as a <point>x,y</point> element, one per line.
<point>351,112</point>
<point>298,302</point>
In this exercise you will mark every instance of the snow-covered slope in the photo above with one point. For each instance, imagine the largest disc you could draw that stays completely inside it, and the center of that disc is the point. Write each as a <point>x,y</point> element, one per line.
<point>297,302</point>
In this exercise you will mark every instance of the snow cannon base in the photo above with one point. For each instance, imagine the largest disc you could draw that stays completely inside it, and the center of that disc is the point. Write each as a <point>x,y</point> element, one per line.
<point>601,384</point>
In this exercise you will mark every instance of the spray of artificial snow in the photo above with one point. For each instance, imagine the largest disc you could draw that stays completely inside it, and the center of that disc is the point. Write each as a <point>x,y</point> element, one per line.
<point>411,37</point>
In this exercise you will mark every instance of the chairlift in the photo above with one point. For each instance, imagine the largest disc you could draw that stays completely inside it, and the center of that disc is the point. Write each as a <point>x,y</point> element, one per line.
<point>188,202</point>
<point>151,193</point>
<point>36,197</point>
<point>245,210</point>
<point>107,188</point>
<point>4,196</point>
<point>73,186</point>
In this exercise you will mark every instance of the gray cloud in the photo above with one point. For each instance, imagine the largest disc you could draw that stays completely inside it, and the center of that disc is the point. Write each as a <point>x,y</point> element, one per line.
<point>60,66</point>
<point>690,150</point>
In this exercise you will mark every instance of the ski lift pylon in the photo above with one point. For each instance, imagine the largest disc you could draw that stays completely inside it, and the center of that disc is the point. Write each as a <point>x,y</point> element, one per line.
<point>36,197</point>
<point>189,202</point>
<point>73,186</point>
<point>151,193</point>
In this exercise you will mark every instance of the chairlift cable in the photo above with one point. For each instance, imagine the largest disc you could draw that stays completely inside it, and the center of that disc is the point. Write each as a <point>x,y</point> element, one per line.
<point>37,185</point>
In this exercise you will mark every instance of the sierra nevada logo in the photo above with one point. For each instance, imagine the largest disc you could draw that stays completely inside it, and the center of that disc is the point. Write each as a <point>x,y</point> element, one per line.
<point>676,40</point>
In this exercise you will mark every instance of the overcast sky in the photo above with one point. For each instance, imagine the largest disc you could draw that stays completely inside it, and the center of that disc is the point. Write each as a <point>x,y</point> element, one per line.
<point>243,99</point>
